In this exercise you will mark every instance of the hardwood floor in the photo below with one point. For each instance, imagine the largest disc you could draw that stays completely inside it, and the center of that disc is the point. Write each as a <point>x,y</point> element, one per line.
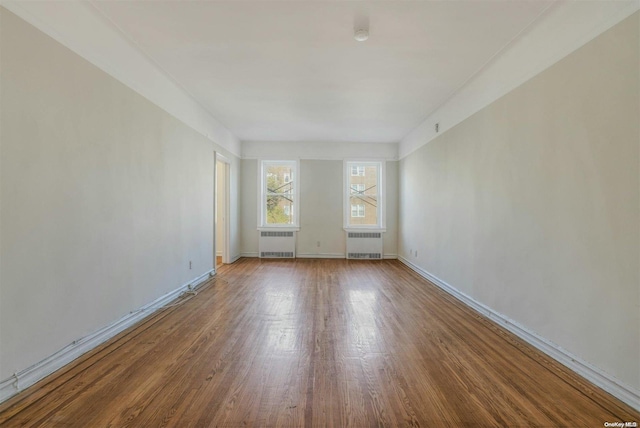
<point>315,343</point>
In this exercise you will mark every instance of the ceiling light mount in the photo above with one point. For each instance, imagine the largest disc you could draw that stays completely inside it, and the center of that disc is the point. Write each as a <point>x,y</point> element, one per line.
<point>361,35</point>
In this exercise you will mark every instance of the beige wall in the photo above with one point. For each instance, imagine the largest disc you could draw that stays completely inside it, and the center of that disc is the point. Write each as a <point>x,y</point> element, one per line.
<point>249,204</point>
<point>235,208</point>
<point>531,206</point>
<point>105,198</point>
<point>321,205</point>
<point>220,208</point>
<point>321,209</point>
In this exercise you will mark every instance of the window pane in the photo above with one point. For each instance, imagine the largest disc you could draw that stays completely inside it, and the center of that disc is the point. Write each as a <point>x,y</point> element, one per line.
<point>280,179</point>
<point>278,193</point>
<point>364,210</point>
<point>279,209</point>
<point>363,194</point>
<point>357,189</point>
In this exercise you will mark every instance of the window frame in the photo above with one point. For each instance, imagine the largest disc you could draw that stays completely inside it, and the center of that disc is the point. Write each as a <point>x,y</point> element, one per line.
<point>347,193</point>
<point>294,164</point>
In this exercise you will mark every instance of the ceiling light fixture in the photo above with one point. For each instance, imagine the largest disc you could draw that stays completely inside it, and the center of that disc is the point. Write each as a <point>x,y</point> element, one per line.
<point>361,35</point>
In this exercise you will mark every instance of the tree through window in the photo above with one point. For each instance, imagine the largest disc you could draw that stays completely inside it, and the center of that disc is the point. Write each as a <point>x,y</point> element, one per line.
<point>279,193</point>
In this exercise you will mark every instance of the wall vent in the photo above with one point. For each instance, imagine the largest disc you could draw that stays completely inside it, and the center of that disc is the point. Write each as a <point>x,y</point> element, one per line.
<point>364,245</point>
<point>364,235</point>
<point>277,254</point>
<point>277,244</point>
<point>265,234</point>
<point>372,256</point>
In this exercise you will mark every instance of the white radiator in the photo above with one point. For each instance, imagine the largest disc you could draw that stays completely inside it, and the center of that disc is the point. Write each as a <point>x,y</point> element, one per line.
<point>277,244</point>
<point>364,245</point>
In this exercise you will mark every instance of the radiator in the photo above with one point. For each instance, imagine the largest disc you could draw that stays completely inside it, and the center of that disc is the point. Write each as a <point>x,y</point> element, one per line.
<point>277,244</point>
<point>364,245</point>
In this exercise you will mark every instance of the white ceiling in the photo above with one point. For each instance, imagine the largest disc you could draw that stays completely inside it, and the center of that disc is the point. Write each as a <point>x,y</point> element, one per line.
<point>291,70</point>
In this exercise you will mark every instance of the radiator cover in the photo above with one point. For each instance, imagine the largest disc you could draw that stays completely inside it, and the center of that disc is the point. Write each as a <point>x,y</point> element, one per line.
<point>364,245</point>
<point>277,244</point>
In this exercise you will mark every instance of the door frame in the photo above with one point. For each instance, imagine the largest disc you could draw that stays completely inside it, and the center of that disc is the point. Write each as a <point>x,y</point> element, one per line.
<point>226,252</point>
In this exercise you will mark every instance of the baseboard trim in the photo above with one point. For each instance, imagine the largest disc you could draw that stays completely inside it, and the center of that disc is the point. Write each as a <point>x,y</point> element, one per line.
<point>248,254</point>
<point>588,371</point>
<point>321,256</point>
<point>29,376</point>
<point>235,258</point>
<point>390,256</point>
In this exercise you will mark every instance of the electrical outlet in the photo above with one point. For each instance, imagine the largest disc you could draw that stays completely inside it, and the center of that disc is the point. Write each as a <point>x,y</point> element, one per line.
<point>416,253</point>
<point>318,243</point>
<point>189,264</point>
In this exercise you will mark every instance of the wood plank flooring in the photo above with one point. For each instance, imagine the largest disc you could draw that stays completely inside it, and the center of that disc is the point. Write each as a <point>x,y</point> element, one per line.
<point>330,343</point>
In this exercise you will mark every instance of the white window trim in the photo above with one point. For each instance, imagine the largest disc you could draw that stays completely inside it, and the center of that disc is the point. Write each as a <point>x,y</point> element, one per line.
<point>346,192</point>
<point>262,225</point>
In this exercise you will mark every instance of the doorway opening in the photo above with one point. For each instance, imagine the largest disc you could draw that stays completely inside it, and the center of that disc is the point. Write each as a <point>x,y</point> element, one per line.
<point>221,211</point>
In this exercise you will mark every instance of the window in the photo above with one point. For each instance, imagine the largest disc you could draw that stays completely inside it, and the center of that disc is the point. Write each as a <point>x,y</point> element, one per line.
<point>279,194</point>
<point>357,188</point>
<point>357,170</point>
<point>357,210</point>
<point>363,195</point>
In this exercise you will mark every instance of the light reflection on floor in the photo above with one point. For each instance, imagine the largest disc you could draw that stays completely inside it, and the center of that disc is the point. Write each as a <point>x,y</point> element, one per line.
<point>281,319</point>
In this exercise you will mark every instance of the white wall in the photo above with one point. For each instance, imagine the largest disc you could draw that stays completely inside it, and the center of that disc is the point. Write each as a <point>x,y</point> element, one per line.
<point>105,198</point>
<point>531,206</point>
<point>249,204</point>
<point>321,193</point>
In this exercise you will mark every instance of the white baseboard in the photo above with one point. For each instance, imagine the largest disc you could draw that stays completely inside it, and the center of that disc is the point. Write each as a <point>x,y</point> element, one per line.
<point>612,385</point>
<point>249,254</point>
<point>29,376</point>
<point>390,256</point>
<point>320,255</point>
<point>235,258</point>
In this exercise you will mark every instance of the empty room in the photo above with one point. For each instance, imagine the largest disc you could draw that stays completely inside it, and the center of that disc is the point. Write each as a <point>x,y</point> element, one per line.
<point>319,213</point>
